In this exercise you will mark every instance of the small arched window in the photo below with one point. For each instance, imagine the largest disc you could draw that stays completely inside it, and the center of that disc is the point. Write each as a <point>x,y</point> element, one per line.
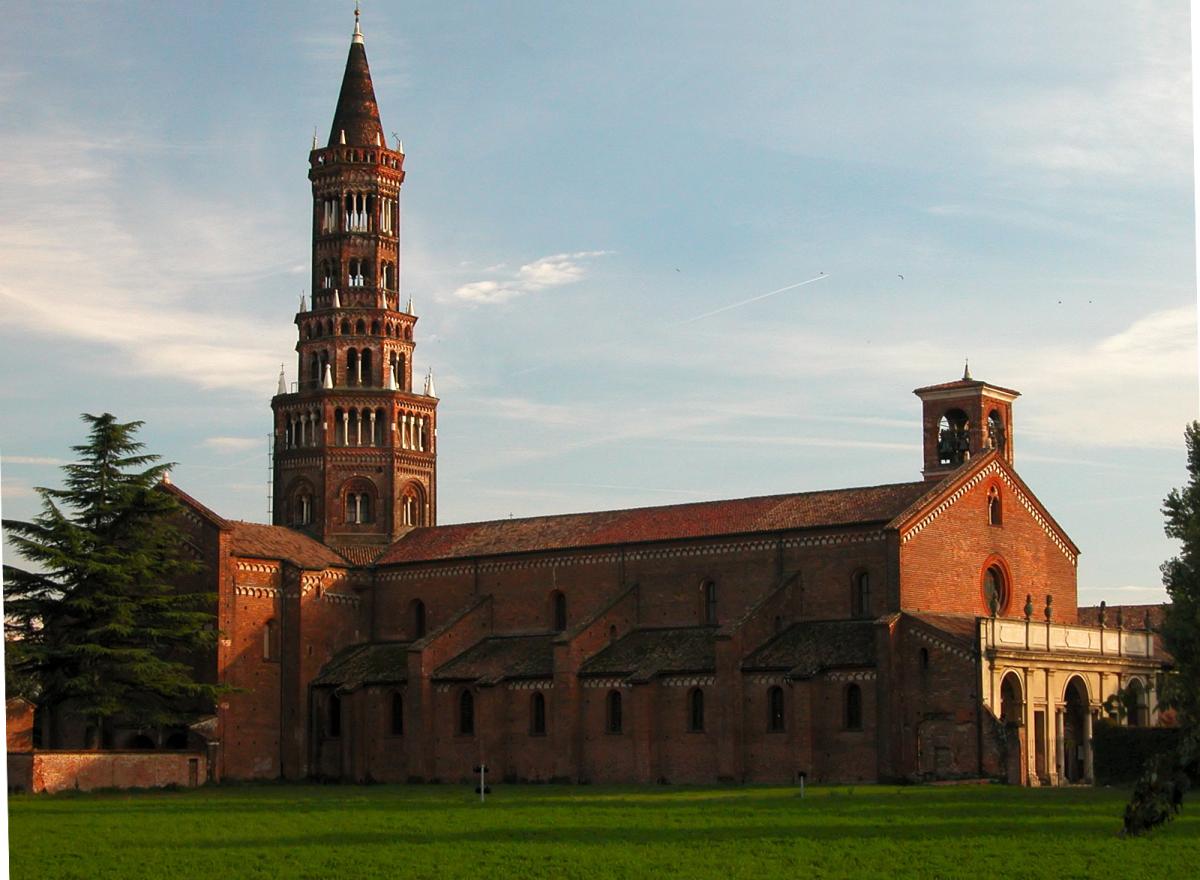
<point>418,619</point>
<point>335,715</point>
<point>860,600</point>
<point>558,610</point>
<point>995,512</point>
<point>614,712</point>
<point>537,714</point>
<point>954,438</point>
<point>696,710</point>
<point>397,715</point>
<point>853,707</point>
<point>466,714</point>
<point>269,641</point>
<point>775,709</point>
<point>708,603</point>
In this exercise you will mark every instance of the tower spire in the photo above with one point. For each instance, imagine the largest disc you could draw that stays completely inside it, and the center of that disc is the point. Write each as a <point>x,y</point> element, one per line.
<point>357,115</point>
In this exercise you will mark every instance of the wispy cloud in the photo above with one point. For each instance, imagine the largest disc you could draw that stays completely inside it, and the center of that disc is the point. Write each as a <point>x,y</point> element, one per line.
<point>555,270</point>
<point>230,445</point>
<point>32,459</point>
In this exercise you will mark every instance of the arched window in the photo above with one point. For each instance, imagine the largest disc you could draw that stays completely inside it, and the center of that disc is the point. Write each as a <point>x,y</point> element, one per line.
<point>924,658</point>
<point>418,619</point>
<point>775,709</point>
<point>466,714</point>
<point>995,513</point>
<point>860,599</point>
<point>397,714</point>
<point>269,642</point>
<point>365,368</point>
<point>995,590</point>
<point>614,712</point>
<point>996,437</point>
<point>335,715</point>
<point>853,707</point>
<point>558,610</point>
<point>361,327</point>
<point>708,602</point>
<point>537,714</point>
<point>353,373</point>
<point>345,327</point>
<point>954,438</point>
<point>1137,704</point>
<point>696,710</point>
<point>314,371</point>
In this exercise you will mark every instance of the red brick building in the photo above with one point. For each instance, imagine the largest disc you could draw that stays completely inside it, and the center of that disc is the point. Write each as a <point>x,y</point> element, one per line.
<point>922,629</point>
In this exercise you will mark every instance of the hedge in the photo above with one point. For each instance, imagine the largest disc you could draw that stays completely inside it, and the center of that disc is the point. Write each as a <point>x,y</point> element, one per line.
<point>1120,753</point>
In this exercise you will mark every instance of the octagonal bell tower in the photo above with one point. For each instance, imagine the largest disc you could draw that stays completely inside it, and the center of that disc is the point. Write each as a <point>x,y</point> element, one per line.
<point>355,443</point>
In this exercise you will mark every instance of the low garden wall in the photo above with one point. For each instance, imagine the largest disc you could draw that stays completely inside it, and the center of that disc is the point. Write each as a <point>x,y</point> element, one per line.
<point>59,770</point>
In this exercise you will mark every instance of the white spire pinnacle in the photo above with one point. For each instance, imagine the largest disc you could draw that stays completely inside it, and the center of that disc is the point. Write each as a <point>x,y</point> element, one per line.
<point>382,304</point>
<point>342,137</point>
<point>393,385</point>
<point>357,30</point>
<point>282,381</point>
<point>303,302</point>
<point>378,139</point>
<point>400,146</point>
<point>316,146</point>
<point>429,389</point>
<point>327,382</point>
<point>337,300</point>
<point>410,306</point>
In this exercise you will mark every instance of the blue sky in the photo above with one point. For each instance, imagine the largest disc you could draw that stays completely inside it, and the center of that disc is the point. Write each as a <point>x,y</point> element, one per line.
<point>584,182</point>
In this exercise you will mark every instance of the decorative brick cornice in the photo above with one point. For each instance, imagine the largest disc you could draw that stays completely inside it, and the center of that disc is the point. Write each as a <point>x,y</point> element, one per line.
<point>530,684</point>
<point>767,678</point>
<point>259,567</point>
<point>256,592</point>
<point>696,680</point>
<point>859,675</point>
<point>609,683</point>
<point>943,645</point>
<point>992,470</point>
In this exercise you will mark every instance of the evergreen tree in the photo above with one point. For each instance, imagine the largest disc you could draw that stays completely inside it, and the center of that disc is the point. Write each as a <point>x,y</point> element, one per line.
<point>1158,795</point>
<point>98,622</point>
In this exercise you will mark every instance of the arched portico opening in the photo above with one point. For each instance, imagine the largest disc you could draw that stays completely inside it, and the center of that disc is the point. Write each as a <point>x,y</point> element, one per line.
<point>1012,715</point>
<point>1076,732</point>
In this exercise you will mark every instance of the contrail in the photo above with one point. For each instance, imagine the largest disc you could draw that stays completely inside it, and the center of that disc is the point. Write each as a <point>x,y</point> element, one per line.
<point>745,302</point>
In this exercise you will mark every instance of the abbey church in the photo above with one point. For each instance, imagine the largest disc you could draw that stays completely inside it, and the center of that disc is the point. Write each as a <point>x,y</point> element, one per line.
<point>925,629</point>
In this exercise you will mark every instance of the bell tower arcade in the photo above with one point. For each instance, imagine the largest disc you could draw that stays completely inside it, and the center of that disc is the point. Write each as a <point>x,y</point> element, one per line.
<point>964,419</point>
<point>355,444</point>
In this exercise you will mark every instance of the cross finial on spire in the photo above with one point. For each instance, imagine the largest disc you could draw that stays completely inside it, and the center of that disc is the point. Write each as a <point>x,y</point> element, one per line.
<point>357,30</point>
<point>966,370</point>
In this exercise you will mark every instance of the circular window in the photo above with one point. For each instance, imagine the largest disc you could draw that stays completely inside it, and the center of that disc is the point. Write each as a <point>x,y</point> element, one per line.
<point>995,592</point>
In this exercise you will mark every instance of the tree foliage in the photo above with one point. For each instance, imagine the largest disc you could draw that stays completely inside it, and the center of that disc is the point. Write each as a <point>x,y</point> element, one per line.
<point>1158,795</point>
<point>98,620</point>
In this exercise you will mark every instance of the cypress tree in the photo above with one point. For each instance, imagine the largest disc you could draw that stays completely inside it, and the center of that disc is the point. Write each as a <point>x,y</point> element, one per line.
<point>100,624</point>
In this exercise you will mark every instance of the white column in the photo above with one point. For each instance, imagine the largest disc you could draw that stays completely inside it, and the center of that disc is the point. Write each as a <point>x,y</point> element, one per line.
<point>403,431</point>
<point>421,433</point>
<point>358,369</point>
<point>372,428</point>
<point>346,428</point>
<point>1060,757</point>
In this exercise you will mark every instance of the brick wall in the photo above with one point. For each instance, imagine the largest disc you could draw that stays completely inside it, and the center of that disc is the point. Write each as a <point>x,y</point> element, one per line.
<point>53,771</point>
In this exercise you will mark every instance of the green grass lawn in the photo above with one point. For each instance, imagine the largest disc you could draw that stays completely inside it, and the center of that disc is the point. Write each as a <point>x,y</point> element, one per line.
<point>299,831</point>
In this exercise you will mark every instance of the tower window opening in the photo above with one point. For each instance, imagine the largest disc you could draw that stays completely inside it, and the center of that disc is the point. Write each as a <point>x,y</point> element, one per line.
<point>345,328</point>
<point>364,361</point>
<point>996,438</point>
<point>954,440</point>
<point>361,327</point>
<point>559,610</point>
<point>353,367</point>
<point>994,510</point>
<point>418,619</point>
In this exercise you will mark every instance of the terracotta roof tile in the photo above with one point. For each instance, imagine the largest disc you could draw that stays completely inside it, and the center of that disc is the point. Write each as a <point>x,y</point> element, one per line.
<point>838,507</point>
<point>502,657</point>
<point>964,383</point>
<point>1132,616</point>
<point>959,628</point>
<point>279,542</point>
<point>359,554</point>
<point>645,653</point>
<point>806,649</point>
<point>373,663</point>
